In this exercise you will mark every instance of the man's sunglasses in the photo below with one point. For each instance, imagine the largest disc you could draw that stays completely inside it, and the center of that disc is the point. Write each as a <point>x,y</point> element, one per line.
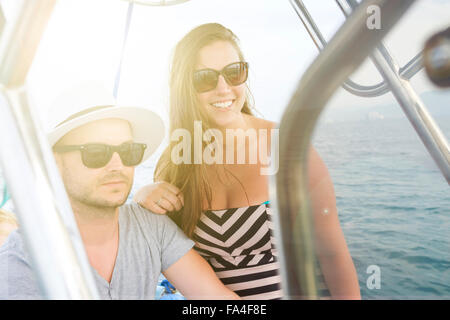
<point>98,155</point>
<point>235,73</point>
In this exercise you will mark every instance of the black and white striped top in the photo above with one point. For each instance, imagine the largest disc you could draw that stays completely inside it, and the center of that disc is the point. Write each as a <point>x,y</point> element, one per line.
<point>239,245</point>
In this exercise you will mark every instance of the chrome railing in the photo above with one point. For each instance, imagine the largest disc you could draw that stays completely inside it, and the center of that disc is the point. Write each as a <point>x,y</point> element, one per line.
<point>406,72</point>
<point>46,220</point>
<point>396,81</point>
<point>337,61</point>
<point>157,2</point>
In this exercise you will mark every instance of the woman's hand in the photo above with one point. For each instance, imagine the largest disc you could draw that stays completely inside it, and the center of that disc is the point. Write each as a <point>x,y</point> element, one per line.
<point>160,197</point>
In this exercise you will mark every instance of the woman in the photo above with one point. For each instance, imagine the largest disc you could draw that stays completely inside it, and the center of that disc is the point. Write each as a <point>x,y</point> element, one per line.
<point>224,207</point>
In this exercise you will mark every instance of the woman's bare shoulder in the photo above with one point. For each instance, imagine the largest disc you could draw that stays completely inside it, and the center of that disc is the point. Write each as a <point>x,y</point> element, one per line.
<point>260,123</point>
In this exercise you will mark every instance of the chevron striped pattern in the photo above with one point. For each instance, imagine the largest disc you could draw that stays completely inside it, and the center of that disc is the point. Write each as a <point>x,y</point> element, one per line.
<point>239,245</point>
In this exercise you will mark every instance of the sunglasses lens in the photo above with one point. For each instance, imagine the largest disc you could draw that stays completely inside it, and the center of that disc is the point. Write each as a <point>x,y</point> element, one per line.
<point>95,156</point>
<point>131,153</point>
<point>236,73</point>
<point>205,80</point>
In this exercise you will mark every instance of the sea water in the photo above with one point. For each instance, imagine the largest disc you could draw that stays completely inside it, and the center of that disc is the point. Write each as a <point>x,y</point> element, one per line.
<point>393,205</point>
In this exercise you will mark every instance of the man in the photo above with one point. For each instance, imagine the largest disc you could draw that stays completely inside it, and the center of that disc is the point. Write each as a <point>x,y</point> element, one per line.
<point>96,150</point>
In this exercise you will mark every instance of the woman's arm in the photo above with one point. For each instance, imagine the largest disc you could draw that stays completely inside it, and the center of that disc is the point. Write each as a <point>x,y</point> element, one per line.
<point>332,251</point>
<point>196,280</point>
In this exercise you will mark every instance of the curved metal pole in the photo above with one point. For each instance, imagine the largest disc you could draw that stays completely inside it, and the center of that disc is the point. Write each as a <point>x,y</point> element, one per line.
<point>407,72</point>
<point>413,107</point>
<point>424,124</point>
<point>157,3</point>
<point>122,53</point>
<point>330,69</point>
<point>46,220</point>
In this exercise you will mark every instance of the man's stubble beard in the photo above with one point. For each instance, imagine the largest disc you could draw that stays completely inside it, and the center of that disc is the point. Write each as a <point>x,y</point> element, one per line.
<point>87,197</point>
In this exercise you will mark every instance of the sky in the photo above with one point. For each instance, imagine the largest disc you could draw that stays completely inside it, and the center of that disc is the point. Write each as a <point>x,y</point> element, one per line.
<point>84,38</point>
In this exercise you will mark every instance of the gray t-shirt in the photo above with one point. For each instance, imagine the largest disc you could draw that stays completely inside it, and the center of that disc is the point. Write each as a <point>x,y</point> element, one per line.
<point>148,244</point>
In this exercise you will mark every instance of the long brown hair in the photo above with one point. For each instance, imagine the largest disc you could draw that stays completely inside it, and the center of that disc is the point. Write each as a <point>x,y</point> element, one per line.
<point>191,179</point>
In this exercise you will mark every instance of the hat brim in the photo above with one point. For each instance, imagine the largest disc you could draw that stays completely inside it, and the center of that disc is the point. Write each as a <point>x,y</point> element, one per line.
<point>146,125</point>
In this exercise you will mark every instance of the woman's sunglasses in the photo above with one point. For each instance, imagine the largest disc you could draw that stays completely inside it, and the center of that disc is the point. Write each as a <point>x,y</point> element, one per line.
<point>234,74</point>
<point>98,155</point>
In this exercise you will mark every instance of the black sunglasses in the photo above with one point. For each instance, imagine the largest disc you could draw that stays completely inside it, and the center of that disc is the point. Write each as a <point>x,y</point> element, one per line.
<point>235,73</point>
<point>98,155</point>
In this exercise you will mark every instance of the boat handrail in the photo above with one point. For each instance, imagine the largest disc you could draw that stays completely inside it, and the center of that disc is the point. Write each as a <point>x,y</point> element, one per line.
<point>45,217</point>
<point>157,3</point>
<point>395,79</point>
<point>337,61</point>
<point>379,89</point>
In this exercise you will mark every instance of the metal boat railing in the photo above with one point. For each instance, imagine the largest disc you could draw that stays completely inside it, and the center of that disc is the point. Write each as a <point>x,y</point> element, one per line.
<point>396,81</point>
<point>157,2</point>
<point>406,72</point>
<point>44,212</point>
<point>337,61</point>
<point>46,220</point>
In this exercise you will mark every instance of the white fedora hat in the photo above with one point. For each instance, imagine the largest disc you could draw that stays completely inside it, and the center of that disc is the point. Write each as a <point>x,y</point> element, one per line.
<point>90,102</point>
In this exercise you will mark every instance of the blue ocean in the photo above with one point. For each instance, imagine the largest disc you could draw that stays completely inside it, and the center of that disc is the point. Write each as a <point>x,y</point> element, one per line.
<point>393,204</point>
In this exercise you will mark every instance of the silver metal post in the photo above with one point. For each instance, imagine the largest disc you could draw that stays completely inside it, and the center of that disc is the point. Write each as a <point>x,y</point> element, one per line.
<point>407,72</point>
<point>122,52</point>
<point>157,3</point>
<point>338,60</point>
<point>46,220</point>
<point>413,107</point>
